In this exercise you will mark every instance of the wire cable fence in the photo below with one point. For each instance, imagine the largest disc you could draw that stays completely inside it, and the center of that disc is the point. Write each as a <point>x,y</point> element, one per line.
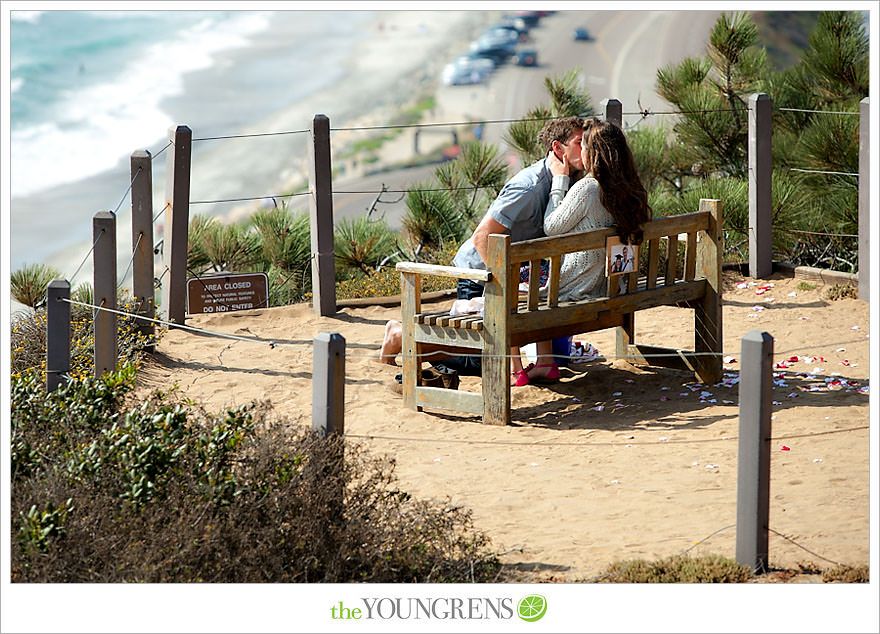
<point>644,113</point>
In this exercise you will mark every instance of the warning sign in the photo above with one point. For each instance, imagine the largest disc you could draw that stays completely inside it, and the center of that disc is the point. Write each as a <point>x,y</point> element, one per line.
<point>226,292</point>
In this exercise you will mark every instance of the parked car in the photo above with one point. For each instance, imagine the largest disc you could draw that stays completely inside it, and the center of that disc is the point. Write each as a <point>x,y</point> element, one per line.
<point>529,17</point>
<point>496,51</point>
<point>526,57</point>
<point>582,34</point>
<point>476,60</point>
<point>464,72</point>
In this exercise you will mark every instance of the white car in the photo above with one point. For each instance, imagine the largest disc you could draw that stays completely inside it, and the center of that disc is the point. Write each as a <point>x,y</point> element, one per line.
<point>467,72</point>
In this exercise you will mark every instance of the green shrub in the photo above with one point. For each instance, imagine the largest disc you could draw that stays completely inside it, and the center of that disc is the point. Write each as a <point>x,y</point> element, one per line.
<point>166,492</point>
<point>847,574</point>
<point>705,569</point>
<point>28,338</point>
<point>362,244</point>
<point>28,284</point>
<point>842,291</point>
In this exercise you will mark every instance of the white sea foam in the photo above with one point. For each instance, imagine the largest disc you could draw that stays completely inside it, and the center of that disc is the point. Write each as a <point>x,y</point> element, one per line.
<point>98,126</point>
<point>15,84</point>
<point>25,16</point>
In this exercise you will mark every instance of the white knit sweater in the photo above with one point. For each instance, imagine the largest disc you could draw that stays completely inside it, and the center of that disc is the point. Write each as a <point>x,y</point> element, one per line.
<point>583,273</point>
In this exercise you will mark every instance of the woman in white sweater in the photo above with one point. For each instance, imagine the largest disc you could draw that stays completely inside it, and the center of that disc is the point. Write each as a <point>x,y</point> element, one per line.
<point>610,194</point>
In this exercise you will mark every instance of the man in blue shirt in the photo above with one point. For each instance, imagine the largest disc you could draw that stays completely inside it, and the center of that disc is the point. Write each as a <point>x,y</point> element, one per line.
<point>518,210</point>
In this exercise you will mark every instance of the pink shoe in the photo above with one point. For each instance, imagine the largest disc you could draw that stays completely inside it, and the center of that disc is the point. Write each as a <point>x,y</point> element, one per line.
<point>523,377</point>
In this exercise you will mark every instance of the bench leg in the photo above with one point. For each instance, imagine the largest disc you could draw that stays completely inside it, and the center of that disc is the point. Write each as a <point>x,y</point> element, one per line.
<point>625,337</point>
<point>708,339</point>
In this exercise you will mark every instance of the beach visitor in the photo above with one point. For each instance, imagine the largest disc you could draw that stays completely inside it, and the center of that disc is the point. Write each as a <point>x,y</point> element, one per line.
<point>611,193</point>
<point>518,211</point>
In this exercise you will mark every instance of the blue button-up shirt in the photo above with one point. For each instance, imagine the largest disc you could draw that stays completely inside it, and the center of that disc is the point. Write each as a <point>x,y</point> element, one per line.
<point>520,208</point>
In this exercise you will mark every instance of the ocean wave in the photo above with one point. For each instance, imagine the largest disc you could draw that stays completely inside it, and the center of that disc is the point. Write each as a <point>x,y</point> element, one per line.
<point>96,127</point>
<point>31,17</point>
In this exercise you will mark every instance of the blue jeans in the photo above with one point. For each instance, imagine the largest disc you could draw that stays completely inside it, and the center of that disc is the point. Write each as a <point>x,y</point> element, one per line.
<point>464,365</point>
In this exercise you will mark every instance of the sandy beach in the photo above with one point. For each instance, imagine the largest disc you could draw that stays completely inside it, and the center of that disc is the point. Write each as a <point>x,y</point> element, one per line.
<point>614,462</point>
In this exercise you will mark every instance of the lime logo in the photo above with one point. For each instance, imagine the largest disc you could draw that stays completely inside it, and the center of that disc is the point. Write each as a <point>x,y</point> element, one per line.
<point>532,608</point>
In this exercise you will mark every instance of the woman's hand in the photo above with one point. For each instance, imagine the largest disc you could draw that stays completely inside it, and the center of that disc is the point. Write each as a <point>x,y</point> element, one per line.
<point>556,166</point>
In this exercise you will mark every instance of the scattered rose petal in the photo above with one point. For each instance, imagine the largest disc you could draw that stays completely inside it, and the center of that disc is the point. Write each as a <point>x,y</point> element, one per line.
<point>664,439</point>
<point>757,309</point>
<point>629,380</point>
<point>841,350</point>
<point>664,388</point>
<point>818,370</point>
<point>575,399</point>
<point>436,459</point>
<point>712,466</point>
<point>854,328</point>
<point>817,460</point>
<point>615,482</point>
<point>729,359</point>
<point>664,398</point>
<point>742,285</point>
<point>598,408</point>
<point>695,464</point>
<point>533,464</point>
<point>617,394</point>
<point>793,395</point>
<point>785,448</point>
<point>618,405</point>
<point>803,318</point>
<point>683,394</point>
<point>792,294</point>
<point>728,402</point>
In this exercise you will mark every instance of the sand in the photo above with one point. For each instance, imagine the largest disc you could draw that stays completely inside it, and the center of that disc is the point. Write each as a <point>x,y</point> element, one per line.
<point>566,489</point>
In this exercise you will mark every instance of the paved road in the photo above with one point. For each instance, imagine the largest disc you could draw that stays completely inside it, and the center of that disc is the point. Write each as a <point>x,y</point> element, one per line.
<point>621,61</point>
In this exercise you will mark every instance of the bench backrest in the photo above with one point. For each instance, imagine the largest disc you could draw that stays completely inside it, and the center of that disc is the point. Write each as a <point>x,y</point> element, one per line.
<point>699,232</point>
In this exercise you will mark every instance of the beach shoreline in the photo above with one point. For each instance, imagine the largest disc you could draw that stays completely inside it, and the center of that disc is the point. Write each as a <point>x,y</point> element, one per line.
<point>260,167</point>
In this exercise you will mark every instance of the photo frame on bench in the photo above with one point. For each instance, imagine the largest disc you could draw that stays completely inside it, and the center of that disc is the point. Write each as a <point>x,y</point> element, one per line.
<point>620,258</point>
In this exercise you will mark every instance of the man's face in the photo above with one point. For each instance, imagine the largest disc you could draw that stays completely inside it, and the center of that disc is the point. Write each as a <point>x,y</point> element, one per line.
<point>571,149</point>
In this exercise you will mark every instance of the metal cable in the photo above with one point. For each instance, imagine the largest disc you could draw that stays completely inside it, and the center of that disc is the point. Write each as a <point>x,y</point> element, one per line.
<point>244,136</point>
<point>130,185</point>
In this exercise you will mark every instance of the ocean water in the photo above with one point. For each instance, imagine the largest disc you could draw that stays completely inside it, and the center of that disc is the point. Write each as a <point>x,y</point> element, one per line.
<point>87,88</point>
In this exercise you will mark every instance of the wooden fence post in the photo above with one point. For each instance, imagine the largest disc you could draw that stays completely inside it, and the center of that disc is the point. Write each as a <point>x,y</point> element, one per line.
<point>142,241</point>
<point>864,199</point>
<point>177,180</point>
<point>57,334</point>
<point>321,218</point>
<point>753,458</point>
<point>104,259</point>
<point>613,111</point>
<point>328,384</point>
<point>760,185</point>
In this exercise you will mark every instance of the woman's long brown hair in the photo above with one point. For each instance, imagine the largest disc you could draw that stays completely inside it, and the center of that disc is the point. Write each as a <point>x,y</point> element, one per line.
<point>608,158</point>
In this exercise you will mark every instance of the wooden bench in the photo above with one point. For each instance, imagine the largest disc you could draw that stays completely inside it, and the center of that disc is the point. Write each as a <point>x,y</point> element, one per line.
<point>691,279</point>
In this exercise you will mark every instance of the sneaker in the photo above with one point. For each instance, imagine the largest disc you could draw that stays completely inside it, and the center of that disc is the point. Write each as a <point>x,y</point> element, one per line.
<point>581,354</point>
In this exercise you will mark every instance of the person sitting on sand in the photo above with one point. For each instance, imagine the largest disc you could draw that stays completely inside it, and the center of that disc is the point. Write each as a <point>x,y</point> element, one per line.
<point>519,211</point>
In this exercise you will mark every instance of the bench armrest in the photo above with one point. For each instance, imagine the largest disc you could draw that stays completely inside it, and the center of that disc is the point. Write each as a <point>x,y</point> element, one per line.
<point>478,275</point>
